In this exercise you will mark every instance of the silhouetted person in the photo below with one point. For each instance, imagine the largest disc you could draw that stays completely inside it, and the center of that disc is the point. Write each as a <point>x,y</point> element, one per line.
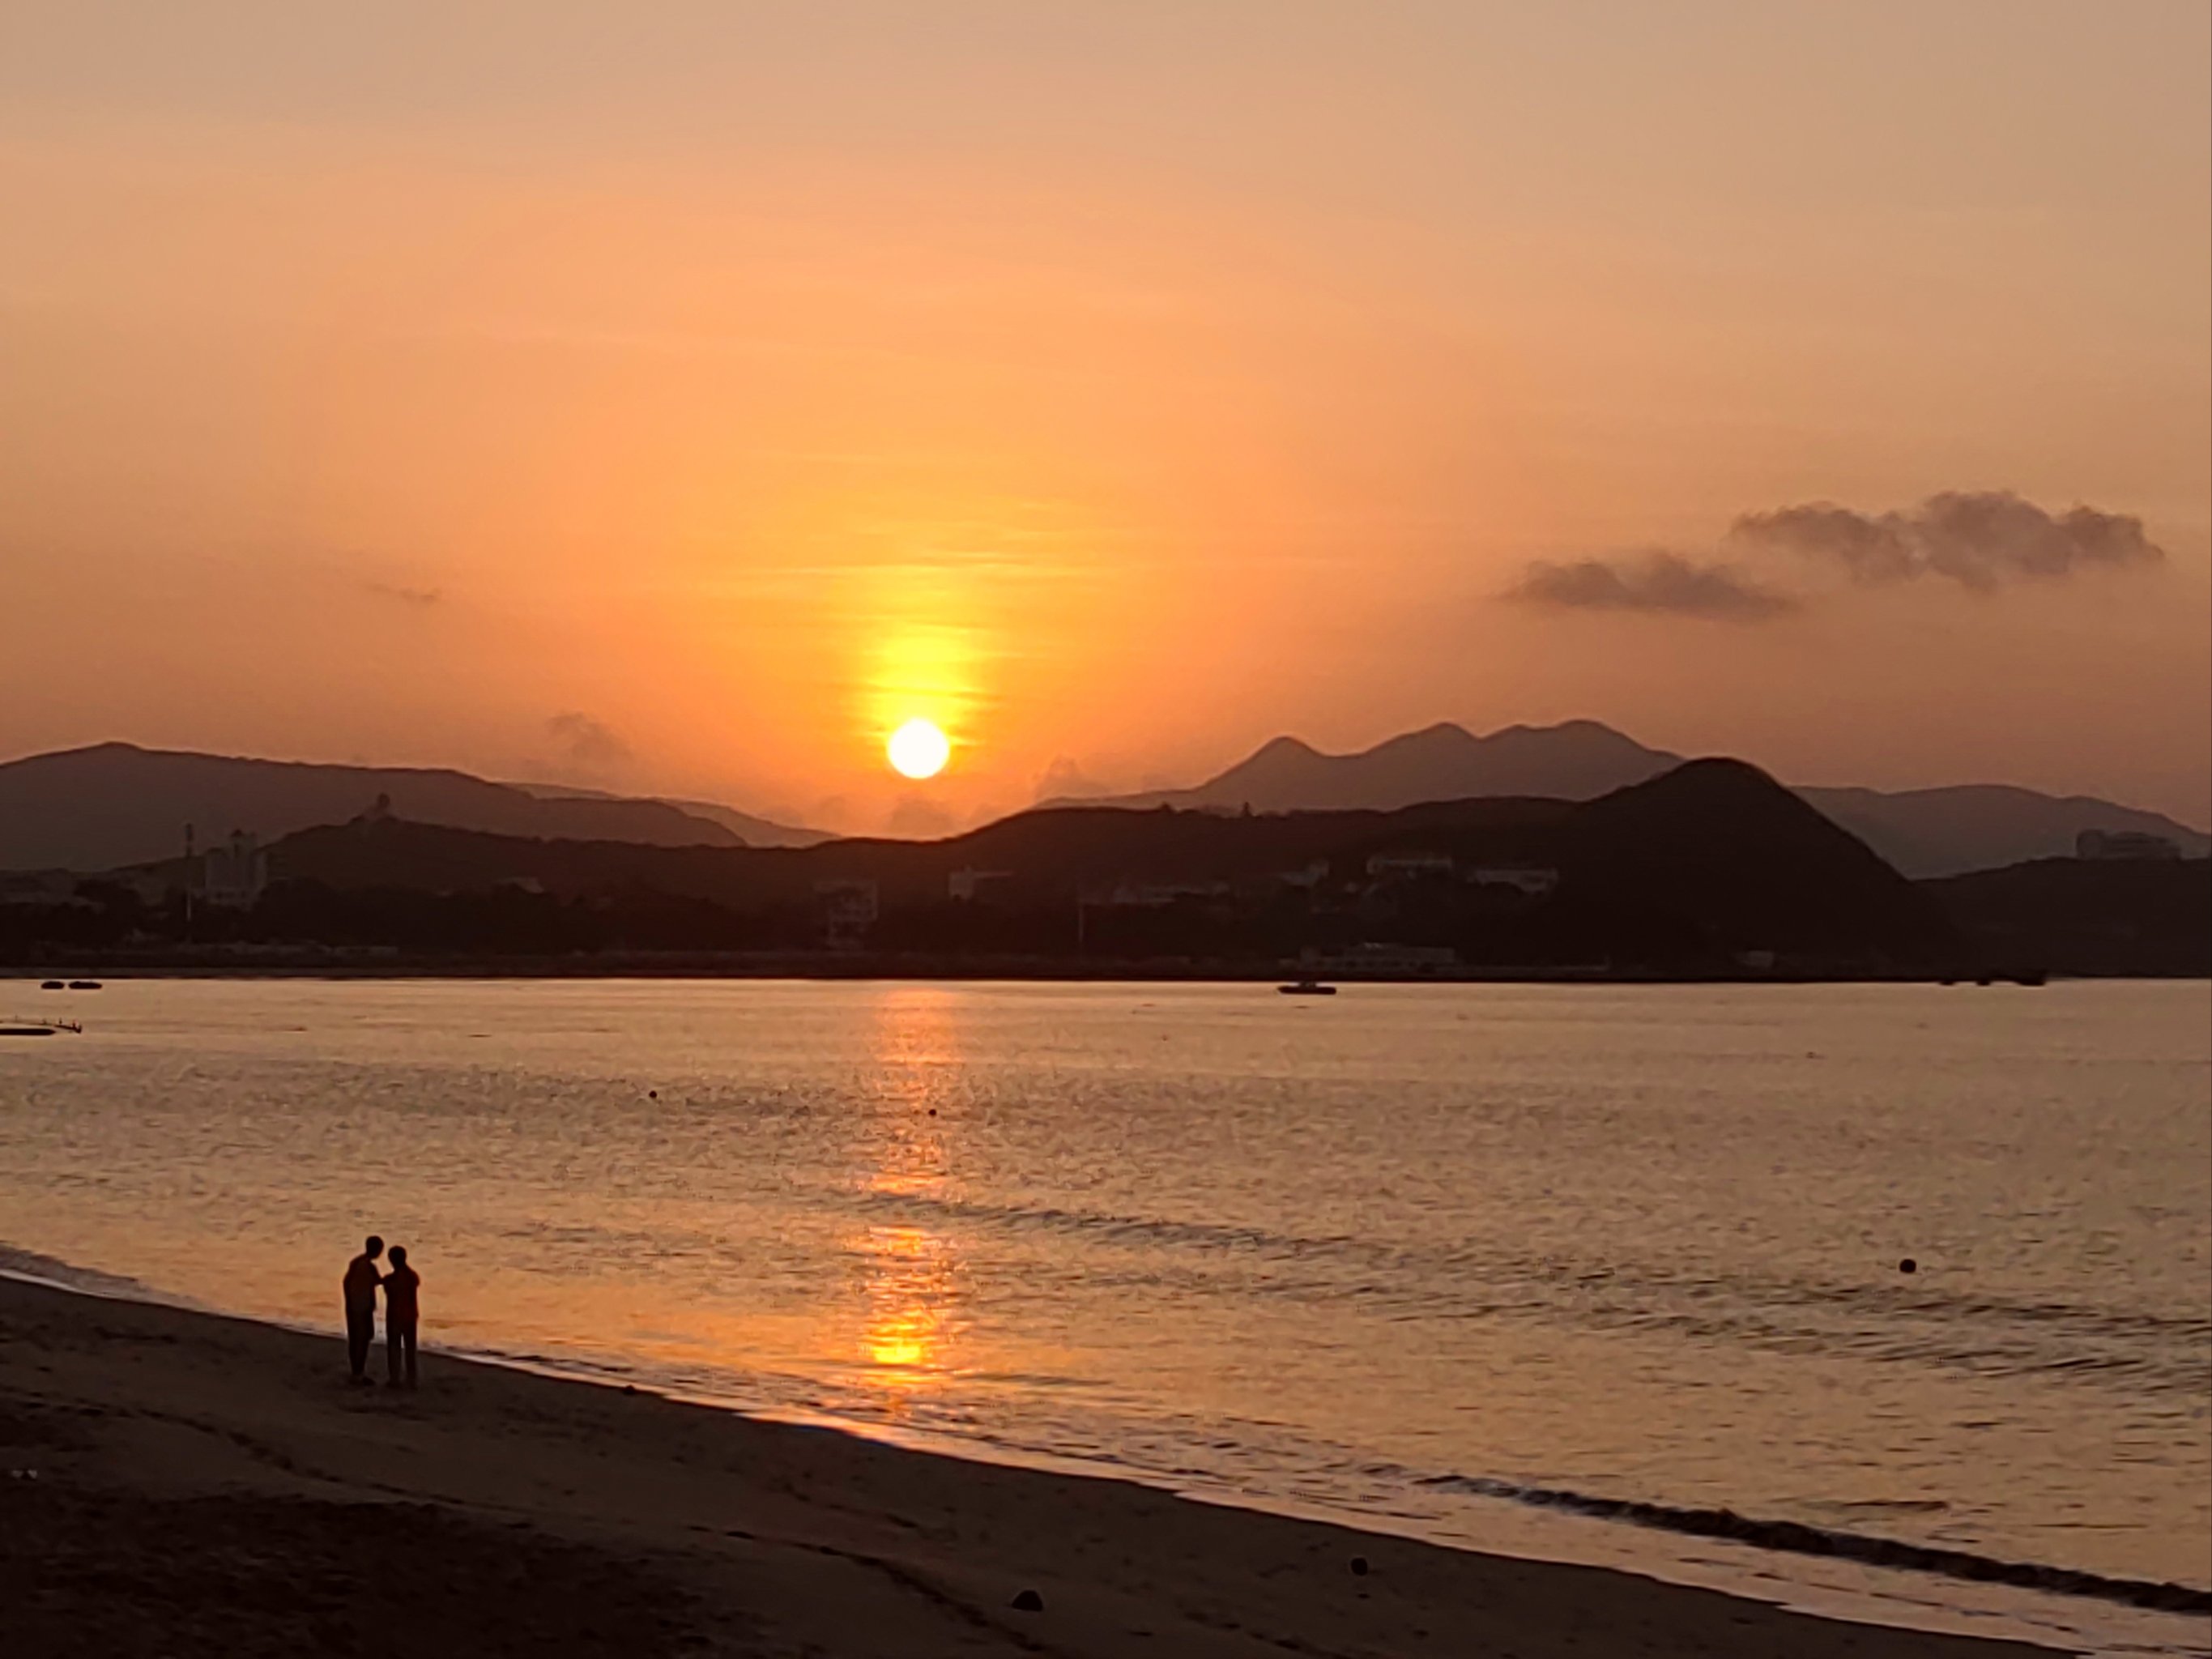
<point>401,1310</point>
<point>362,1279</point>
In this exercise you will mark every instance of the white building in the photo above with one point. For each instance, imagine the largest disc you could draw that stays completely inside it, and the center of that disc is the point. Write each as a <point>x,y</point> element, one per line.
<point>848,911</point>
<point>1410,866</point>
<point>235,875</point>
<point>1532,881</point>
<point>2114,846</point>
<point>1381,958</point>
<point>965,886</point>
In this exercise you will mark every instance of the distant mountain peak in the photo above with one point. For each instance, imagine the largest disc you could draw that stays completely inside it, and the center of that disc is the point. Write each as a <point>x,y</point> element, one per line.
<point>1444,761</point>
<point>1444,735</point>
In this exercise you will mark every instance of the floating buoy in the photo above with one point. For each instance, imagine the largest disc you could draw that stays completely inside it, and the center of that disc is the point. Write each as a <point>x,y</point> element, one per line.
<point>1908,1266</point>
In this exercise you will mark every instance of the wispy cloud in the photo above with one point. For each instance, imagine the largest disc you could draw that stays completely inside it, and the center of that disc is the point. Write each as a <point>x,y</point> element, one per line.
<point>1655,583</point>
<point>1979,539</point>
<point>417,598</point>
<point>586,743</point>
<point>1065,780</point>
<point>917,817</point>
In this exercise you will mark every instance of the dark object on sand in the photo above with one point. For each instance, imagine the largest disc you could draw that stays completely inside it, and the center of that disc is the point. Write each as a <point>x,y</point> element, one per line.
<point>86,985</point>
<point>1359,1566</point>
<point>1307,988</point>
<point>1908,1266</point>
<point>1029,1602</point>
<point>53,985</point>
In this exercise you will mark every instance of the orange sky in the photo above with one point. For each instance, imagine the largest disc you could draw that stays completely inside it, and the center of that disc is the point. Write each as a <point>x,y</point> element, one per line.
<point>676,397</point>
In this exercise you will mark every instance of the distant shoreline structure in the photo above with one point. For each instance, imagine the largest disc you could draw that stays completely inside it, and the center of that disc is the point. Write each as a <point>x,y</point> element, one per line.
<point>831,967</point>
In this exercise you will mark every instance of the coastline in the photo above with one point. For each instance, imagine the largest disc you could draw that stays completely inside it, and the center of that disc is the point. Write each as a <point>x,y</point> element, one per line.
<point>505,1499</point>
<point>342,964</point>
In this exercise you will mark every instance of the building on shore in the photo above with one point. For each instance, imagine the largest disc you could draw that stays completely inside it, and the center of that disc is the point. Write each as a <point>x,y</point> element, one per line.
<point>848,910</point>
<point>2116,846</point>
<point>234,874</point>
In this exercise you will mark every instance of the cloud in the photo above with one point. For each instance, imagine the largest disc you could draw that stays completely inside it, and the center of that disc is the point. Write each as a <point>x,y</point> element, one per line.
<point>1064,779</point>
<point>584,741</point>
<point>919,818</point>
<point>1980,539</point>
<point>1656,583</point>
<point>415,598</point>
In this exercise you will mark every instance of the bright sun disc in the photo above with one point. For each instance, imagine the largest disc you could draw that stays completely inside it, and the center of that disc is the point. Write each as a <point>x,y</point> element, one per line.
<point>918,750</point>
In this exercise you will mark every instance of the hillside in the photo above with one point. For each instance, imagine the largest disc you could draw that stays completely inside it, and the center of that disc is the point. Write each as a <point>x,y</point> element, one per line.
<point>115,805</point>
<point>2094,917</point>
<point>1921,832</point>
<point>1985,826</point>
<point>750,828</point>
<point>1707,868</point>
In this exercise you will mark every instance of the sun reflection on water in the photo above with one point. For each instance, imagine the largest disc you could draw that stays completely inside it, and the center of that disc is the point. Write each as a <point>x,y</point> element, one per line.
<point>910,1274</point>
<point>911,1296</point>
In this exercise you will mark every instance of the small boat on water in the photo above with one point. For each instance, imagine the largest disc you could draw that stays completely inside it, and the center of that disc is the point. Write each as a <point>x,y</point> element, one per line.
<point>11,1027</point>
<point>1307,988</point>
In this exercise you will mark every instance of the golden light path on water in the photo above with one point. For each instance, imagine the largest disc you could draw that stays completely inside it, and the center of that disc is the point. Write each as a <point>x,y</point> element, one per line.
<point>911,1278</point>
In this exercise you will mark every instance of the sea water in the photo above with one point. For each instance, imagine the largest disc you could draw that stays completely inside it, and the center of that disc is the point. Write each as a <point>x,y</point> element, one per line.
<point>1558,1269</point>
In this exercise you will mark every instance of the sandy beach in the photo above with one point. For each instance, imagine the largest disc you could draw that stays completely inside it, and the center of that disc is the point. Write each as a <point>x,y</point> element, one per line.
<point>180,1483</point>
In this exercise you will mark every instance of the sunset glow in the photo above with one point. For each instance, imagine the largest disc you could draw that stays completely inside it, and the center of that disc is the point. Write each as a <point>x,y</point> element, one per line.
<point>918,750</point>
<point>1170,758</point>
<point>1114,392</point>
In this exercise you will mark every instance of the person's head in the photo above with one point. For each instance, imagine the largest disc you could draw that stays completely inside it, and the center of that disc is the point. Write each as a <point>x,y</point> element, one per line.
<point>371,1247</point>
<point>399,1255</point>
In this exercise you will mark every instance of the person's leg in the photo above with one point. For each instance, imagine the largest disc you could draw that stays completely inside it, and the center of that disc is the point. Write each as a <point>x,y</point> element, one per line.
<point>410,1356</point>
<point>392,1337</point>
<point>360,1327</point>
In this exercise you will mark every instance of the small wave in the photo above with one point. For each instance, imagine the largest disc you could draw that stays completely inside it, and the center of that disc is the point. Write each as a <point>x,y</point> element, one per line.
<point>2160,1353</point>
<point>1796,1538</point>
<point>67,1276</point>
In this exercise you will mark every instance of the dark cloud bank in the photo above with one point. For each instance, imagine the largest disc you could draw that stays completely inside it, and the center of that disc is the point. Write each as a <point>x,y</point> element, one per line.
<point>1982,540</point>
<point>1666,583</point>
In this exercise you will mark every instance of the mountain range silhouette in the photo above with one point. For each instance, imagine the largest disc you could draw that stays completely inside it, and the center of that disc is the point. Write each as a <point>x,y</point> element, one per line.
<point>115,805</point>
<point>1921,832</point>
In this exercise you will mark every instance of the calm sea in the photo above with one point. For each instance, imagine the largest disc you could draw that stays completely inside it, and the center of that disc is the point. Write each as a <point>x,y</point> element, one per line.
<point>1553,1269</point>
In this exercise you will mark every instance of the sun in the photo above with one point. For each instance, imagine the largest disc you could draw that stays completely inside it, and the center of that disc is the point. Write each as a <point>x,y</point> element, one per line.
<point>918,750</point>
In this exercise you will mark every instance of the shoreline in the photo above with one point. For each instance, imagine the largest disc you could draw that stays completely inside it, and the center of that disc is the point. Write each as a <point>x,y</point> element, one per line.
<point>339,965</point>
<point>775,1537</point>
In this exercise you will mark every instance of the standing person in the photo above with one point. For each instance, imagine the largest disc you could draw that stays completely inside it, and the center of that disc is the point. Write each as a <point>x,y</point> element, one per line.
<point>402,1310</point>
<point>361,1282</point>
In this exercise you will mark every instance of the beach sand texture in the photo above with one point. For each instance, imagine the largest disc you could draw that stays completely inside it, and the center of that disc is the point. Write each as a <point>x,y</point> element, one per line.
<point>211,1486</point>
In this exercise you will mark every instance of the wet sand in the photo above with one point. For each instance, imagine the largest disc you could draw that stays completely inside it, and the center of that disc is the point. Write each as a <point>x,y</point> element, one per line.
<point>207,1486</point>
